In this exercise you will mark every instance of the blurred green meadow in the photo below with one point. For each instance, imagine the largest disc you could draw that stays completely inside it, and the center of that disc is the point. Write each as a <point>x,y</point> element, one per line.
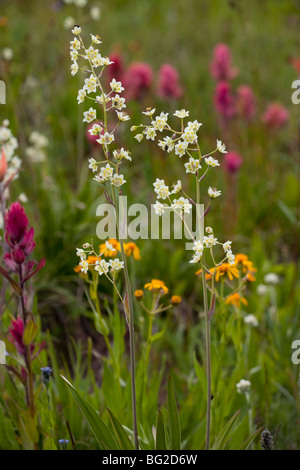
<point>259,211</point>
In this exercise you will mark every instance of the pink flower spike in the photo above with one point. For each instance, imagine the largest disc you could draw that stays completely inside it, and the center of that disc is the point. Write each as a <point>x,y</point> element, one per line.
<point>221,65</point>
<point>168,83</point>
<point>275,116</point>
<point>224,100</point>
<point>246,106</point>
<point>16,223</point>
<point>138,80</point>
<point>233,162</point>
<point>3,166</point>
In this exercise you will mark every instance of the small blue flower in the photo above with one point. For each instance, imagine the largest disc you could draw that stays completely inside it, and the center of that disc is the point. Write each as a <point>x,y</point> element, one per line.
<point>46,374</point>
<point>63,444</point>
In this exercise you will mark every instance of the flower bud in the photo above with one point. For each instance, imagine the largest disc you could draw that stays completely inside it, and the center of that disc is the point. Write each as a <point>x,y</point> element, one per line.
<point>3,166</point>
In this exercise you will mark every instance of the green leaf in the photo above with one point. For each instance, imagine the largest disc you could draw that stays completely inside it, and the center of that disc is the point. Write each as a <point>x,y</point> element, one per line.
<point>30,332</point>
<point>173,418</point>
<point>160,441</point>
<point>101,432</point>
<point>222,440</point>
<point>250,439</point>
<point>123,439</point>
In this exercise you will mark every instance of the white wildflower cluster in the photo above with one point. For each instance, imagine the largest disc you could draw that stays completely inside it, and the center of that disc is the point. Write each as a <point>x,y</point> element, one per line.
<point>184,142</point>
<point>162,191</point>
<point>8,144</point>
<point>243,386</point>
<point>97,263</point>
<point>111,101</point>
<point>36,151</point>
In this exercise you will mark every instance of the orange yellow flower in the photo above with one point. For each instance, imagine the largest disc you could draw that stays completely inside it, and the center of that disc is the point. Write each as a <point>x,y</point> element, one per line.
<point>139,294</point>
<point>176,299</point>
<point>207,276</point>
<point>132,249</point>
<point>228,269</point>
<point>236,299</point>
<point>157,286</point>
<point>110,253</point>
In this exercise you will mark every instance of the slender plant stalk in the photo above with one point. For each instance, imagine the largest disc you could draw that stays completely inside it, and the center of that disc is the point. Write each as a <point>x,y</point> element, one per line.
<point>29,388</point>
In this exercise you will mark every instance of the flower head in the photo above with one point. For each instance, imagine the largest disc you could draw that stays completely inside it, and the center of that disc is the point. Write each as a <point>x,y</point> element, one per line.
<point>157,286</point>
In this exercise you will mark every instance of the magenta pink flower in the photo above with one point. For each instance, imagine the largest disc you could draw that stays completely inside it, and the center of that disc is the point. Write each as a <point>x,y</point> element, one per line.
<point>246,106</point>
<point>20,243</point>
<point>275,116</point>
<point>138,80</point>
<point>16,331</point>
<point>116,70</point>
<point>221,65</point>
<point>224,100</point>
<point>233,161</point>
<point>168,83</point>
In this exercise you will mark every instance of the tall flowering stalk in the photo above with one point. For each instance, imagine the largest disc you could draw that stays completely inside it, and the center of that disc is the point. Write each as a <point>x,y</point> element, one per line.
<point>107,172</point>
<point>183,141</point>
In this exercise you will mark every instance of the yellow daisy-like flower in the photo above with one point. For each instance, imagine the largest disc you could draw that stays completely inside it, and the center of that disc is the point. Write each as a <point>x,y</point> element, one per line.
<point>176,299</point>
<point>236,299</point>
<point>139,294</point>
<point>207,276</point>
<point>228,269</point>
<point>157,286</point>
<point>77,268</point>
<point>110,253</point>
<point>132,249</point>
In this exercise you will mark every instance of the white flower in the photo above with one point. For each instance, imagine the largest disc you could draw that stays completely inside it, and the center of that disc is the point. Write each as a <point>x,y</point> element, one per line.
<point>69,22</point>
<point>210,241</point>
<point>84,265</point>
<point>81,253</point>
<point>90,84</point>
<point>196,258</point>
<point>149,112</point>
<point>262,289</point>
<point>95,39</point>
<point>189,135</point>
<point>159,208</point>
<point>198,247</point>
<point>243,386</point>
<point>209,230</point>
<point>100,99</point>
<point>161,189</point>
<point>195,125</point>
<point>81,95</point>
<point>118,102</point>
<point>96,129</point>
<point>160,121</point>
<point>116,264</point>
<point>105,174</point>
<point>89,115</point>
<point>192,166</point>
<point>102,267</point>
<point>23,198</point>
<point>95,13</point>
<point>251,320</point>
<point>93,165</point>
<point>91,53</point>
<point>166,144</point>
<point>221,147</point>
<point>227,246</point>
<point>139,137</point>
<point>116,86</point>
<point>213,192</point>
<point>77,29</point>
<point>106,138</point>
<point>210,161</point>
<point>121,153</point>
<point>7,54</point>
<point>75,44</point>
<point>74,68</point>
<point>122,116</point>
<point>80,3</point>
<point>109,246</point>
<point>181,147</point>
<point>74,55</point>
<point>182,204</point>
<point>271,278</point>
<point>182,113</point>
<point>177,187</point>
<point>230,257</point>
<point>150,133</point>
<point>117,180</point>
